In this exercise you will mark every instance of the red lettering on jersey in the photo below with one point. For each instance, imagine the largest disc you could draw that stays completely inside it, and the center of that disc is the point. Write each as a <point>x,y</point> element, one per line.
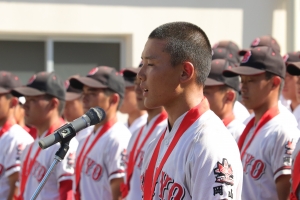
<point>71,160</point>
<point>165,180</point>
<point>89,166</point>
<point>257,167</point>
<point>176,192</point>
<point>141,157</point>
<point>93,169</point>
<point>97,172</point>
<point>290,146</point>
<point>38,171</point>
<point>1,169</point>
<point>249,159</point>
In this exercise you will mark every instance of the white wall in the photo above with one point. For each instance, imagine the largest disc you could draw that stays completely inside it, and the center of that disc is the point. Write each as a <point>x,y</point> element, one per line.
<point>131,21</point>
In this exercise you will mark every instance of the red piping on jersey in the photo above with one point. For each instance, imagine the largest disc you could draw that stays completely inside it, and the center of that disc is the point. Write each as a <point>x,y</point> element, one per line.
<point>267,116</point>
<point>66,174</point>
<point>150,180</point>
<point>133,156</point>
<point>282,168</point>
<point>116,172</point>
<point>11,167</point>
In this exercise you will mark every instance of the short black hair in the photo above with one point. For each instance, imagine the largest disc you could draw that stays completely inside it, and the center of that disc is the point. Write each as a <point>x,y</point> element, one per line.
<point>109,92</point>
<point>61,104</point>
<point>270,75</point>
<point>225,88</point>
<point>186,42</point>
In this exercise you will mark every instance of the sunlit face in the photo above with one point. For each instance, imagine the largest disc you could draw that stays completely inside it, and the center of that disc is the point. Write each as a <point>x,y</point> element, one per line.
<point>129,102</point>
<point>73,109</point>
<point>93,97</point>
<point>159,79</point>
<point>216,97</point>
<point>139,95</point>
<point>4,106</point>
<point>255,90</point>
<point>289,89</point>
<point>36,109</point>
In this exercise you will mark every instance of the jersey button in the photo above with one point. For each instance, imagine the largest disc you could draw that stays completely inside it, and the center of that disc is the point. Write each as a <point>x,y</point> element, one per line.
<point>167,142</point>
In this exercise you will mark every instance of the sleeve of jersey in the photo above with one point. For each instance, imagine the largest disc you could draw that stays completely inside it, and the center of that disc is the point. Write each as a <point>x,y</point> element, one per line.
<point>213,176</point>
<point>115,157</point>
<point>281,155</point>
<point>65,168</point>
<point>13,155</point>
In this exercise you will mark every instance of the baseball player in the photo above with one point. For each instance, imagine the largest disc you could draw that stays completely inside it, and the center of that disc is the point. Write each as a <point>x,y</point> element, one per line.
<point>156,123</point>
<point>74,109</point>
<point>269,41</point>
<point>293,68</point>
<point>267,143</point>
<point>19,114</point>
<point>45,100</point>
<point>221,93</point>
<point>195,157</point>
<point>228,50</point>
<point>289,90</point>
<point>100,159</point>
<point>136,117</point>
<point>13,138</point>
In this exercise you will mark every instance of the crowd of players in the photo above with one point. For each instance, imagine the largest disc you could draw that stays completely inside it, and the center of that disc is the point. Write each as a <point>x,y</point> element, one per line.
<point>203,123</point>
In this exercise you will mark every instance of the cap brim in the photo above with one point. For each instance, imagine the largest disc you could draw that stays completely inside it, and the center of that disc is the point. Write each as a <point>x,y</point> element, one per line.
<point>81,81</point>
<point>244,70</point>
<point>131,70</point>
<point>243,52</point>
<point>212,82</point>
<point>293,68</point>
<point>26,91</point>
<point>3,90</point>
<point>70,96</point>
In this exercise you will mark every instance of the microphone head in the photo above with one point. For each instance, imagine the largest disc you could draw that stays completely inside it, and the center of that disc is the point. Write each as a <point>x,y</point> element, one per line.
<point>96,115</point>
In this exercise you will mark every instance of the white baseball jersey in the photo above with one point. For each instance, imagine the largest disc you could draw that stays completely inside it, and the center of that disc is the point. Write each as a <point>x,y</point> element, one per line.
<point>12,144</point>
<point>296,113</point>
<point>286,103</point>
<point>64,170</point>
<point>205,163</point>
<point>236,128</point>
<point>137,124</point>
<point>84,133</point>
<point>240,112</point>
<point>267,157</point>
<point>135,183</point>
<point>104,162</point>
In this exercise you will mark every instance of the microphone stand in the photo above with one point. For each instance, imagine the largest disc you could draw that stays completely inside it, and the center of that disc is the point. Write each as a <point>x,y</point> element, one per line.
<point>59,156</point>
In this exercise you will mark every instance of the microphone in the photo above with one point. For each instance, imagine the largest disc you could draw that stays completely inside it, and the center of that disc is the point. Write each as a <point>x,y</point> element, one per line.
<point>69,130</point>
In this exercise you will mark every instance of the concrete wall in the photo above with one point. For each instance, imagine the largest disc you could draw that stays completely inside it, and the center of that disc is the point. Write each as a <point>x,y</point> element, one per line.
<point>131,21</point>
